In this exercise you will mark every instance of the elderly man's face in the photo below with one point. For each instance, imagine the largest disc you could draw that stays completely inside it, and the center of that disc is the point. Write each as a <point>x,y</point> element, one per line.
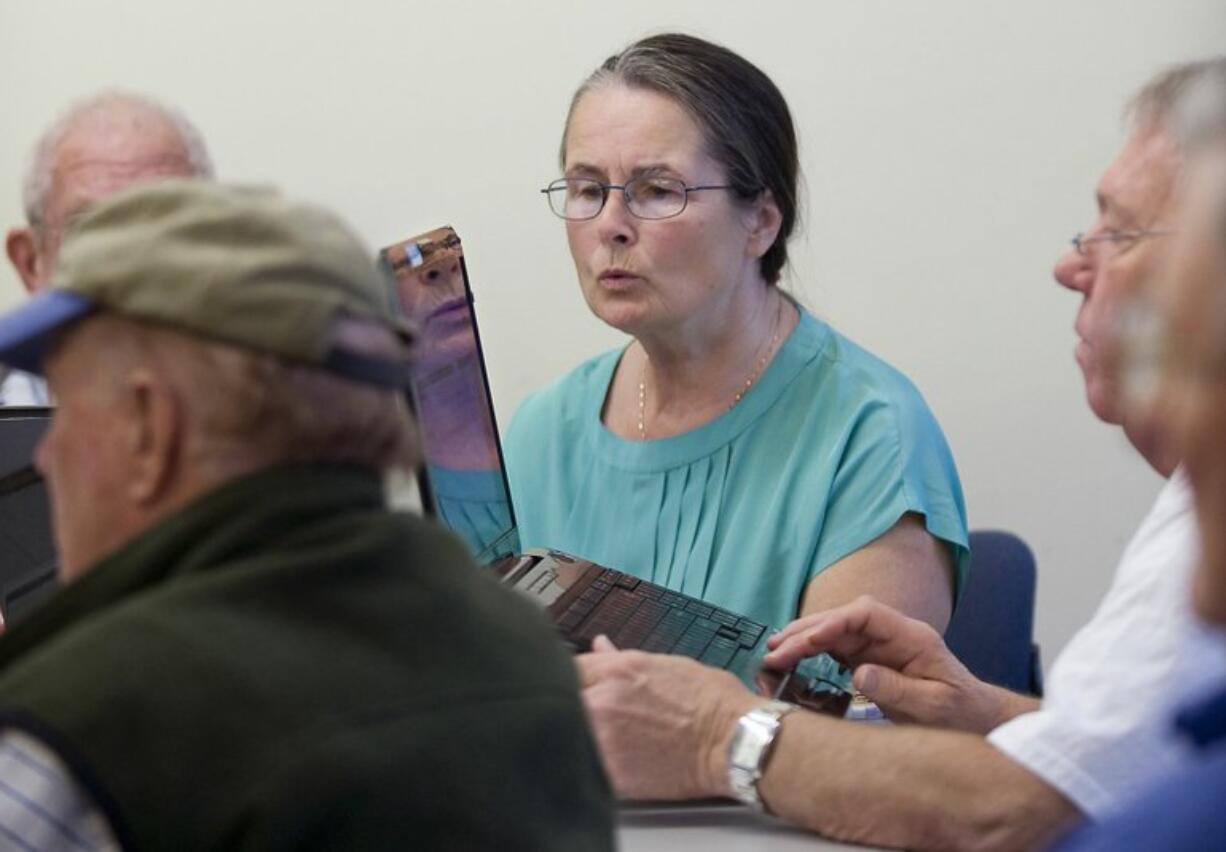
<point>1190,296</point>
<point>82,456</point>
<point>1134,194</point>
<point>94,160</point>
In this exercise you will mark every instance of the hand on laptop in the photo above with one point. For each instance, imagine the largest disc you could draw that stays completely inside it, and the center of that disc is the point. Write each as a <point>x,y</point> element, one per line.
<point>662,723</point>
<point>900,663</point>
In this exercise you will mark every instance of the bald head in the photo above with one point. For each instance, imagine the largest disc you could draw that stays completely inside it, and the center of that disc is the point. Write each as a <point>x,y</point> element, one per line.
<point>101,145</point>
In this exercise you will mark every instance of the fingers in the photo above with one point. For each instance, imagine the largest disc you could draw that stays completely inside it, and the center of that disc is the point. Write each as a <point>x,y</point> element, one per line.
<point>844,631</point>
<point>596,665</point>
<point>853,616</point>
<point>827,636</point>
<point>796,627</point>
<point>605,661</point>
<point>864,631</point>
<point>909,699</point>
<point>884,687</point>
<point>602,645</point>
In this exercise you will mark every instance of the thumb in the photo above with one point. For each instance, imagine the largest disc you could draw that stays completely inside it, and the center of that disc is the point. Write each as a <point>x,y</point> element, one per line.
<point>602,645</point>
<point>884,687</point>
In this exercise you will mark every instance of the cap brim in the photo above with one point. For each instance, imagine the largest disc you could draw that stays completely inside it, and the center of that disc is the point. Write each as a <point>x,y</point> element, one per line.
<point>26,332</point>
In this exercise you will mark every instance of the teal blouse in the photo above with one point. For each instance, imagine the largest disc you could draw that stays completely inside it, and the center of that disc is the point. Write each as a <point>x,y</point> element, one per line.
<point>473,505</point>
<point>824,454</point>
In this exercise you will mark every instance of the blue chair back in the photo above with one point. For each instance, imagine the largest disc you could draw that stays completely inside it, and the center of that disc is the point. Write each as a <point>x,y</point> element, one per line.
<point>992,629</point>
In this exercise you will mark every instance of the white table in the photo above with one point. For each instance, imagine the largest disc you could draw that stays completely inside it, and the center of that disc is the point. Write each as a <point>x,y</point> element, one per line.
<point>712,828</point>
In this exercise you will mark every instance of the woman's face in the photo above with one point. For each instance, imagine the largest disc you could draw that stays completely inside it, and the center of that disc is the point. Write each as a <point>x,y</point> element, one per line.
<point>641,275</point>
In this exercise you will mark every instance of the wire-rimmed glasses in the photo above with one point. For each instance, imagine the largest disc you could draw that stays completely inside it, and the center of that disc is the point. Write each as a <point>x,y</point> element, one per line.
<point>647,197</point>
<point>1119,240</point>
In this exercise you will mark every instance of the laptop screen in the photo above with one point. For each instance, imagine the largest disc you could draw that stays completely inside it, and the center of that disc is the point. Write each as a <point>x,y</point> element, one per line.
<point>463,480</point>
<point>27,550</point>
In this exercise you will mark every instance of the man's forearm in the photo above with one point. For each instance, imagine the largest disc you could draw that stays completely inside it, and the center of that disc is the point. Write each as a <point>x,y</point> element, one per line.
<point>906,787</point>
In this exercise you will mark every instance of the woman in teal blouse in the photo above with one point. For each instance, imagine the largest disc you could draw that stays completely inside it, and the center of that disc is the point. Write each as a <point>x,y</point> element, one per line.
<point>738,449</point>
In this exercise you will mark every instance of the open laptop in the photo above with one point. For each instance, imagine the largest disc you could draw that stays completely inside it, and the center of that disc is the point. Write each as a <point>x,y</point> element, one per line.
<point>27,550</point>
<point>464,485</point>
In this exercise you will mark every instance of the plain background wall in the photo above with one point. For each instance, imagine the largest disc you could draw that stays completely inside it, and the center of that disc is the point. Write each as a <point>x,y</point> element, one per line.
<point>950,150</point>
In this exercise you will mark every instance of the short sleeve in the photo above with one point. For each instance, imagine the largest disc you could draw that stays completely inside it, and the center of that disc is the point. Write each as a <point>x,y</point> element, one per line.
<point>41,804</point>
<point>894,460</point>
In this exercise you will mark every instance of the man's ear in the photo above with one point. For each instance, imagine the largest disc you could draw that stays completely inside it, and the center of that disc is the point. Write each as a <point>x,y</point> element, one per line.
<point>22,248</point>
<point>156,430</point>
<point>764,223</point>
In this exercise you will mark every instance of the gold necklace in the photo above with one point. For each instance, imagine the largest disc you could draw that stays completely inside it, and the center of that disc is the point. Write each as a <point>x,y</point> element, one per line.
<point>749,380</point>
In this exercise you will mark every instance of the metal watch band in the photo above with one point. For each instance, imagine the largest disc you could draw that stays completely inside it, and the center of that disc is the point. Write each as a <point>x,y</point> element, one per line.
<point>750,749</point>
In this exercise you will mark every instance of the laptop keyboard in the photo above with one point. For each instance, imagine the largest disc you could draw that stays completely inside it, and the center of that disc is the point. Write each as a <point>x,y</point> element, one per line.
<point>647,617</point>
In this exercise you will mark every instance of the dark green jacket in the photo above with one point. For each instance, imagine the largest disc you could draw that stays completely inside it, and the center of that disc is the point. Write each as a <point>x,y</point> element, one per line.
<point>286,664</point>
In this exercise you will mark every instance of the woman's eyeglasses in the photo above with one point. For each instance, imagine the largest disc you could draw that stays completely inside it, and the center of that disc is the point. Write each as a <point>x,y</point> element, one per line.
<point>577,199</point>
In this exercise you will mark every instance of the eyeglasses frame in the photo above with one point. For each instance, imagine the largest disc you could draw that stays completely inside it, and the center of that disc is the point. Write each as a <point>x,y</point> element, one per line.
<point>1081,241</point>
<point>606,188</point>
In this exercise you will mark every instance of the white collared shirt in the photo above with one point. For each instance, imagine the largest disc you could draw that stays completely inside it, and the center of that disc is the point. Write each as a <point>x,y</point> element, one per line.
<point>1104,731</point>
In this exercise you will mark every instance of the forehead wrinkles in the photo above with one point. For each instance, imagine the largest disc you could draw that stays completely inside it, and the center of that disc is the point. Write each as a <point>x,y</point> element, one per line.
<point>618,126</point>
<point>124,144</point>
<point>1141,181</point>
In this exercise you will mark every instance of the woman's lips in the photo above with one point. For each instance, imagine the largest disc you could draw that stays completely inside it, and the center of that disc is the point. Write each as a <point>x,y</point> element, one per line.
<point>618,280</point>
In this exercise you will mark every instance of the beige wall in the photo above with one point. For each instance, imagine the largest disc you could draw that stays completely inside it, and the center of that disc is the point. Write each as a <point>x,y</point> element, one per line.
<point>950,150</point>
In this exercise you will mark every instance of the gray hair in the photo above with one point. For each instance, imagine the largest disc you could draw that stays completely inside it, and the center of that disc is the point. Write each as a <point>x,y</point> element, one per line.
<point>1187,100</point>
<point>251,410</point>
<point>38,177</point>
<point>744,118</point>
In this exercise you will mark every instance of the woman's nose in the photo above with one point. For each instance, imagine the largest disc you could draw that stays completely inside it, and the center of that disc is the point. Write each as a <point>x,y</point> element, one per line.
<point>615,222</point>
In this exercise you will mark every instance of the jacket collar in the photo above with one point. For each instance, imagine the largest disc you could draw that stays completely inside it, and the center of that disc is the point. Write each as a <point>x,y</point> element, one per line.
<point>241,517</point>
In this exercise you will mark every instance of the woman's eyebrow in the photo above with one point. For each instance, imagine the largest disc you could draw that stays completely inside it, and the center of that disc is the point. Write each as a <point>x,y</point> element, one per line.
<point>653,169</point>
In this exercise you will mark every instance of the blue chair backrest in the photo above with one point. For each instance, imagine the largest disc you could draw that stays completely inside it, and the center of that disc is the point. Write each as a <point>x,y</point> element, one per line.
<point>992,629</point>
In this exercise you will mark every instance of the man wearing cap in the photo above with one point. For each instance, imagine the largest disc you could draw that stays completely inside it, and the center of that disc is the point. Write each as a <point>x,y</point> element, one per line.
<point>251,650</point>
<point>99,146</point>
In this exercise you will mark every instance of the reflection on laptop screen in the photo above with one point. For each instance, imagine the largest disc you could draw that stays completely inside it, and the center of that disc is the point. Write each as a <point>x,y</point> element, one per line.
<point>27,552</point>
<point>463,480</point>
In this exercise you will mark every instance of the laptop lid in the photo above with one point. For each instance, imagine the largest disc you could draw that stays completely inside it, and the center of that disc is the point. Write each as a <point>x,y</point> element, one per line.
<point>463,479</point>
<point>27,549</point>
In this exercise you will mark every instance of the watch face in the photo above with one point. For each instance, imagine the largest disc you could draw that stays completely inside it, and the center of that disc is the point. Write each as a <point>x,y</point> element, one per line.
<point>746,749</point>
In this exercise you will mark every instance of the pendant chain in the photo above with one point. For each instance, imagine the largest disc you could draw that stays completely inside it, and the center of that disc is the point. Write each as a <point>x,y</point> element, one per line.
<point>741,391</point>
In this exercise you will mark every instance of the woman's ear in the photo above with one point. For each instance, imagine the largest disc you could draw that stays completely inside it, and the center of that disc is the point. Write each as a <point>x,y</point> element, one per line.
<point>765,220</point>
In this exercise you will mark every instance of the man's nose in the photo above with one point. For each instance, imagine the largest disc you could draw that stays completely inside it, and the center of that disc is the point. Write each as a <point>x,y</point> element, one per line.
<point>1074,270</point>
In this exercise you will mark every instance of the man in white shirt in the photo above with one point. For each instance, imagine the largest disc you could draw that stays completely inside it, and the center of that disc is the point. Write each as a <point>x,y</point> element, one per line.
<point>99,146</point>
<point>1008,771</point>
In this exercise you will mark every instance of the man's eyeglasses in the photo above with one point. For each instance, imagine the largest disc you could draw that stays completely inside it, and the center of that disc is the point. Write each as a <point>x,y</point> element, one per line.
<point>1118,241</point>
<point>577,199</point>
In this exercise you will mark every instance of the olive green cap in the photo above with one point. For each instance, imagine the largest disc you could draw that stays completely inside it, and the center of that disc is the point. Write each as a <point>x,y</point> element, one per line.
<point>239,265</point>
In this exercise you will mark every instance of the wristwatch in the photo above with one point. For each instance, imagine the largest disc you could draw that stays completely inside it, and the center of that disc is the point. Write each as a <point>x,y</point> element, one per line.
<point>750,749</point>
